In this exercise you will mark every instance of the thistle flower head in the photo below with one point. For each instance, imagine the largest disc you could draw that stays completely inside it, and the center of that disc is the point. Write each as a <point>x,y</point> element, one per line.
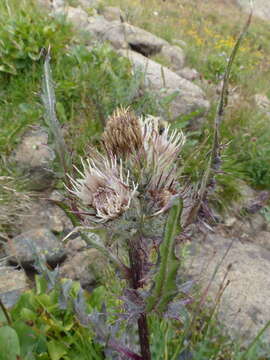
<point>150,153</point>
<point>103,188</point>
<point>122,135</point>
<point>162,149</point>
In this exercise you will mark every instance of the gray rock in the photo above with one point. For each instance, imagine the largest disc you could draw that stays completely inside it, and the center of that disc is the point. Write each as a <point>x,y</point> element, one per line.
<point>112,13</point>
<point>34,157</point>
<point>123,36</point>
<point>179,42</point>
<point>24,248</point>
<point>33,151</point>
<point>175,55</point>
<point>189,98</point>
<point>77,16</point>
<point>257,223</point>
<point>12,284</point>
<point>261,8</point>
<point>45,214</point>
<point>263,239</point>
<point>103,30</point>
<point>244,306</point>
<point>189,74</point>
<point>146,43</point>
<point>85,266</point>
<point>86,4</point>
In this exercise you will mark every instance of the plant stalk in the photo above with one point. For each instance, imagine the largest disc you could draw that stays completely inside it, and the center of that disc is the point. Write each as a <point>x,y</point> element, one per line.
<point>137,264</point>
<point>2,306</point>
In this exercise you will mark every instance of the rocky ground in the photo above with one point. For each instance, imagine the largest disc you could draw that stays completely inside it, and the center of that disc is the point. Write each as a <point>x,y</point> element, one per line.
<point>240,246</point>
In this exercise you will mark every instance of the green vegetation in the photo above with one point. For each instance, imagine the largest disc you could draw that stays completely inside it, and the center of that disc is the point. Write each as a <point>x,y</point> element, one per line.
<point>45,324</point>
<point>89,85</point>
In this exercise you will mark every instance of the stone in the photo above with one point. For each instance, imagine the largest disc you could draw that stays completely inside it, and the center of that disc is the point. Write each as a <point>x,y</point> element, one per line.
<point>13,283</point>
<point>33,151</point>
<point>146,43</point>
<point>257,223</point>
<point>244,306</point>
<point>23,249</point>
<point>103,30</point>
<point>179,42</point>
<point>77,16</point>
<point>263,239</point>
<point>189,74</point>
<point>261,8</point>
<point>123,36</point>
<point>86,4</point>
<point>45,214</point>
<point>175,55</point>
<point>85,266</point>
<point>34,157</point>
<point>112,13</point>
<point>189,98</point>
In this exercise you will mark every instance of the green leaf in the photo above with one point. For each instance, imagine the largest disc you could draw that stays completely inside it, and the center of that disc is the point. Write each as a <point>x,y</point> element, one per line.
<point>9,344</point>
<point>56,350</point>
<point>164,288</point>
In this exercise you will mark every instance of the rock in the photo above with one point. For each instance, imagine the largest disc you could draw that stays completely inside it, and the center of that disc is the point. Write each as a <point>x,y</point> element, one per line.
<point>263,103</point>
<point>12,283</point>
<point>189,74</point>
<point>77,16</point>
<point>189,98</point>
<point>123,36</point>
<point>112,13</point>
<point>244,306</point>
<point>86,4</point>
<point>104,30</point>
<point>257,223</point>
<point>86,266</point>
<point>33,151</point>
<point>263,239</point>
<point>34,158</point>
<point>179,42</point>
<point>75,245</point>
<point>24,248</point>
<point>58,6</point>
<point>261,8</point>
<point>175,55</point>
<point>45,214</point>
<point>146,43</point>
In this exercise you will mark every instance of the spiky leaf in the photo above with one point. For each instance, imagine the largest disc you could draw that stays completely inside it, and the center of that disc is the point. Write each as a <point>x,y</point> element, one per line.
<point>165,288</point>
<point>49,102</point>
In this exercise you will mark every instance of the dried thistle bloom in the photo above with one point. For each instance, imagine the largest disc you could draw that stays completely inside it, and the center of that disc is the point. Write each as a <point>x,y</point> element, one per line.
<point>122,135</point>
<point>104,188</point>
<point>161,149</point>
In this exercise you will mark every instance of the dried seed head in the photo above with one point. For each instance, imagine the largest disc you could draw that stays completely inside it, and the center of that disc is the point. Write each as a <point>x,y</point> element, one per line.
<point>161,149</point>
<point>103,188</point>
<point>122,135</point>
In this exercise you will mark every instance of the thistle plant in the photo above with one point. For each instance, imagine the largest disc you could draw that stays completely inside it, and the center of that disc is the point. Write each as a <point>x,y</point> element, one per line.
<point>128,200</point>
<point>128,197</point>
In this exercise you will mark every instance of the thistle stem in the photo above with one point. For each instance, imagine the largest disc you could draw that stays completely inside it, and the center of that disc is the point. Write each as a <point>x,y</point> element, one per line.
<point>144,337</point>
<point>2,306</point>
<point>137,264</point>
